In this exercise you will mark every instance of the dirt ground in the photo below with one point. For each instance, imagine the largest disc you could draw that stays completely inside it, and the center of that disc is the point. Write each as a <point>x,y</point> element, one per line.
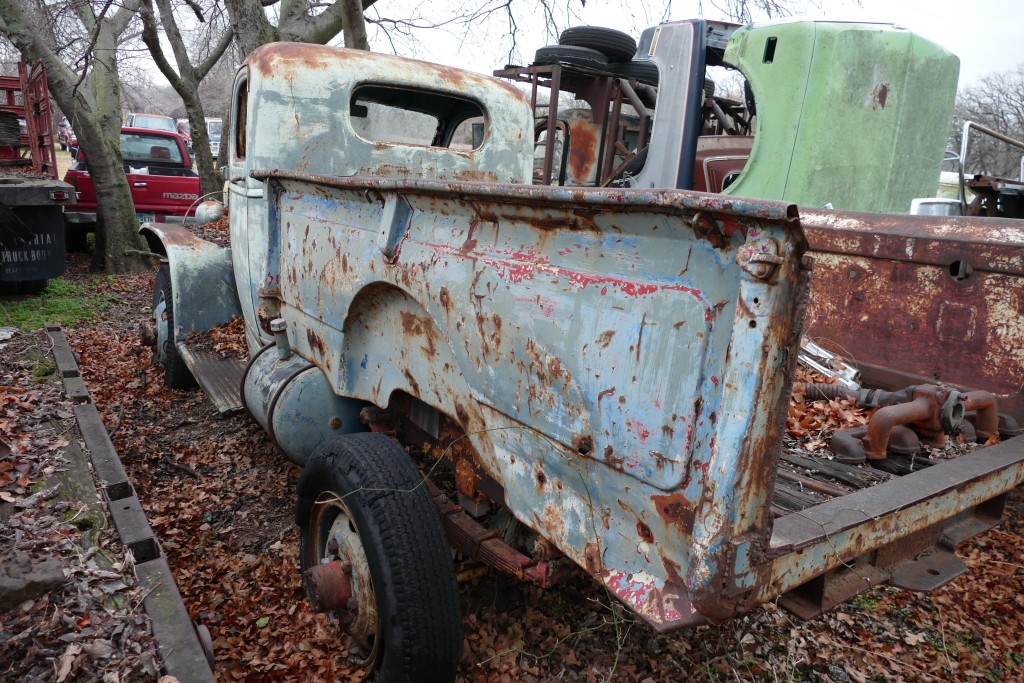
<point>220,498</point>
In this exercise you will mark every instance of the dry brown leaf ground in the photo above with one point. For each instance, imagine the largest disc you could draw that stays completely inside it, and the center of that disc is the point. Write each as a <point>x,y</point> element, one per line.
<point>220,499</point>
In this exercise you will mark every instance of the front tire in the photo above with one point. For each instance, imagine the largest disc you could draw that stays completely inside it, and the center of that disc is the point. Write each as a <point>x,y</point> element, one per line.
<point>363,503</point>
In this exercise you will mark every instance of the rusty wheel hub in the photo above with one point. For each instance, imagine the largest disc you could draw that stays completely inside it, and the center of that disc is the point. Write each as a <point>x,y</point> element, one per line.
<point>340,582</point>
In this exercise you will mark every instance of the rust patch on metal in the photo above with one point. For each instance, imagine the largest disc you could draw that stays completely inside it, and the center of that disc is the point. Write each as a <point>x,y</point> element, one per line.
<point>660,461</point>
<point>584,445</point>
<point>445,300</point>
<point>675,511</point>
<point>609,457</point>
<point>592,558</point>
<point>412,324</point>
<point>270,58</point>
<point>465,477</point>
<point>962,332</point>
<point>583,148</point>
<point>579,220</point>
<point>645,532</point>
<point>465,459</point>
<point>707,228</point>
<point>413,384</point>
<point>316,344</point>
<point>553,519</point>
<point>879,96</point>
<point>542,478</point>
<point>415,325</point>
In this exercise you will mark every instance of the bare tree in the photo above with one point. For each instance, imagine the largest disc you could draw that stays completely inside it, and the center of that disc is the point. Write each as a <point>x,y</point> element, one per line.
<point>187,78</point>
<point>302,21</point>
<point>997,102</point>
<point>90,94</point>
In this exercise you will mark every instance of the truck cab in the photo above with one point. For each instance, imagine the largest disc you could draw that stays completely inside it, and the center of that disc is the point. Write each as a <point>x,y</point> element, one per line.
<point>358,116</point>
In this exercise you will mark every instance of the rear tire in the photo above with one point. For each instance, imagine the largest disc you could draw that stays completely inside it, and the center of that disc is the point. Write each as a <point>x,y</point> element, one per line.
<point>361,500</point>
<point>176,373</point>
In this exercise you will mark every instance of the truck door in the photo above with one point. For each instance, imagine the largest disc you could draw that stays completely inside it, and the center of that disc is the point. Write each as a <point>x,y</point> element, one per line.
<point>245,203</point>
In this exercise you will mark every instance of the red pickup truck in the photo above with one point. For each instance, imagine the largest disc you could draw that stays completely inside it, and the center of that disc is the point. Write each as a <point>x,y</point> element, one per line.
<point>162,177</point>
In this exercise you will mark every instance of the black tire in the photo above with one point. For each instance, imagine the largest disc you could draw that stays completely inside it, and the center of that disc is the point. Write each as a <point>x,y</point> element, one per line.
<point>419,627</point>
<point>642,70</point>
<point>615,45</point>
<point>571,55</point>
<point>176,373</point>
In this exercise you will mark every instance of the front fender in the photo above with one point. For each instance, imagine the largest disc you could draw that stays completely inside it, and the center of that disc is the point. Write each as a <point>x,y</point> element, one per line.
<point>202,279</point>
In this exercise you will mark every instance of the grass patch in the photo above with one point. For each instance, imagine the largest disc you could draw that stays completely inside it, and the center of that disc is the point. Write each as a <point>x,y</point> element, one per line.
<point>867,600</point>
<point>62,302</point>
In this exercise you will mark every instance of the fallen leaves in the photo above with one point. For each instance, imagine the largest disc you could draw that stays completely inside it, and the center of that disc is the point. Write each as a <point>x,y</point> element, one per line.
<point>78,619</point>
<point>813,422</point>
<point>915,638</point>
<point>226,339</point>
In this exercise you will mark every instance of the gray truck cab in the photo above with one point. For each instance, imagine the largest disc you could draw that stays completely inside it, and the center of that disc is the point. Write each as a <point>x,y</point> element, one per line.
<point>354,110</point>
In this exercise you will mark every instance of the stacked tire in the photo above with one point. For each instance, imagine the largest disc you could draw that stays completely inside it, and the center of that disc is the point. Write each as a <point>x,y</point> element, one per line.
<point>603,50</point>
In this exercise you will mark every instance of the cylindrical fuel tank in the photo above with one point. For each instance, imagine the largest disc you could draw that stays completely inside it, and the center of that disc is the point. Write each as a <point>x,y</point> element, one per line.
<point>293,400</point>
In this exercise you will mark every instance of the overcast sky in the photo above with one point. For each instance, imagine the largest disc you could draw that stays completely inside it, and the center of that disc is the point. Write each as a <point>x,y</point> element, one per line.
<point>985,34</point>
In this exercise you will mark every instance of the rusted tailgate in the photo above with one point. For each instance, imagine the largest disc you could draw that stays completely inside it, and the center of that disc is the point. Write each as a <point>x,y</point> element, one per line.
<point>620,360</point>
<point>919,299</point>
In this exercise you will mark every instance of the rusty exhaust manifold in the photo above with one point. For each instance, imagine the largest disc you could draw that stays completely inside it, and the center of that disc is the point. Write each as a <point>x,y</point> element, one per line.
<point>902,419</point>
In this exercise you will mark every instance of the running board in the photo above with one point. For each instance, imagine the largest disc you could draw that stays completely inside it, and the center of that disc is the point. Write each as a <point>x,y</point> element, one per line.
<point>219,377</point>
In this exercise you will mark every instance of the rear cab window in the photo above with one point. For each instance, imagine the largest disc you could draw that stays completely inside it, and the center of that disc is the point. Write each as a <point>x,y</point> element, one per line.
<point>409,116</point>
<point>139,149</point>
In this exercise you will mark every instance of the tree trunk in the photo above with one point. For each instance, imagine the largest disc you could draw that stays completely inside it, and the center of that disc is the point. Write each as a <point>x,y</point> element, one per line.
<point>117,228</point>
<point>355,25</point>
<point>250,24</point>
<point>209,180</point>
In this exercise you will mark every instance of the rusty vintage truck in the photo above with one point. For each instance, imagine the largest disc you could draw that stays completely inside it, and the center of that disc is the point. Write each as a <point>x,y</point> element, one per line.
<point>593,365</point>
